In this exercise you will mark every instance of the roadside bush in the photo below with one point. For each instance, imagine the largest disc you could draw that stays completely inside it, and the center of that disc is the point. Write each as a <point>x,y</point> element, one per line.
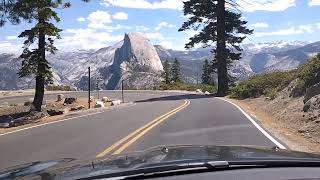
<point>270,84</point>
<point>263,84</point>
<point>309,74</point>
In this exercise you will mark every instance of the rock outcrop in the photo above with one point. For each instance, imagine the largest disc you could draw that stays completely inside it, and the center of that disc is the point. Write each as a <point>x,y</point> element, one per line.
<point>136,62</point>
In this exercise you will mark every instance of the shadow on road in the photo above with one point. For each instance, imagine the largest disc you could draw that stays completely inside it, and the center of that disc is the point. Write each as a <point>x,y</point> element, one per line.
<point>177,97</point>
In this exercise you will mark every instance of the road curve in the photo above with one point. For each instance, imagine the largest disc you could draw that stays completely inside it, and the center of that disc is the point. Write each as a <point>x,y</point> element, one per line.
<point>206,120</point>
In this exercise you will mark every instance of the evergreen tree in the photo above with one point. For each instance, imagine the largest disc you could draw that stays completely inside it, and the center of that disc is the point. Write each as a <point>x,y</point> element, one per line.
<point>175,71</point>
<point>34,60</point>
<point>220,26</point>
<point>206,72</point>
<point>166,74</point>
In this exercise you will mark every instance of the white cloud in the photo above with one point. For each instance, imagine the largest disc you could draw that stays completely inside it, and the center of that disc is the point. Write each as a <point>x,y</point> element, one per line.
<point>166,44</point>
<point>260,25</point>
<point>10,47</point>
<point>120,16</point>
<point>86,38</point>
<point>142,28</point>
<point>155,36</point>
<point>314,3</point>
<point>12,37</point>
<point>99,19</point>
<point>145,4</point>
<point>164,24</point>
<point>81,19</point>
<point>302,29</point>
<point>265,5</point>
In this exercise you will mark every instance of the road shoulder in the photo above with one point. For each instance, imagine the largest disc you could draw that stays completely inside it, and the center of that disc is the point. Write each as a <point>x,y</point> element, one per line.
<point>61,118</point>
<point>279,129</point>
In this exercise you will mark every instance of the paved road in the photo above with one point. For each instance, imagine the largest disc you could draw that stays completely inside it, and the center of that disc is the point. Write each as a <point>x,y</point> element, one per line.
<point>199,120</point>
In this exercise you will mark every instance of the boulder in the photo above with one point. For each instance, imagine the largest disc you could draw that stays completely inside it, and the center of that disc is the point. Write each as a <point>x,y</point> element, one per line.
<point>312,91</point>
<point>77,108</point>
<point>70,100</point>
<point>55,112</point>
<point>115,103</point>
<point>91,98</point>
<point>33,115</point>
<point>105,99</point>
<point>99,104</point>
<point>312,104</point>
<point>27,103</point>
<point>60,97</point>
<point>6,121</point>
<point>199,91</point>
<point>207,93</point>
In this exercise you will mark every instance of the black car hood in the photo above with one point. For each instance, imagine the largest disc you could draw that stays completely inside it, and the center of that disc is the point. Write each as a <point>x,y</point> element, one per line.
<point>72,169</point>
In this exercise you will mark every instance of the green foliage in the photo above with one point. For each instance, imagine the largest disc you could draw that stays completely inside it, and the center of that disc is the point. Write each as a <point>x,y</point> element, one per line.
<point>263,84</point>
<point>166,75</point>
<point>58,88</point>
<point>270,83</point>
<point>218,25</point>
<point>310,72</point>
<point>175,71</point>
<point>206,72</point>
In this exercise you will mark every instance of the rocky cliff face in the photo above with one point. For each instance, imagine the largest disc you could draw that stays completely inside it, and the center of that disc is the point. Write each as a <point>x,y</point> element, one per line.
<point>133,62</point>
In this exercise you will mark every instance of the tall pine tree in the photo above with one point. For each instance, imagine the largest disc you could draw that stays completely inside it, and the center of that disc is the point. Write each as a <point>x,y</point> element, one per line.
<point>175,71</point>
<point>206,72</point>
<point>220,26</point>
<point>166,74</point>
<point>43,33</point>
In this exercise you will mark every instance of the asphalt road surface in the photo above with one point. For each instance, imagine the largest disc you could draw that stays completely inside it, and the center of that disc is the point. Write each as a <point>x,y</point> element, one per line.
<point>156,118</point>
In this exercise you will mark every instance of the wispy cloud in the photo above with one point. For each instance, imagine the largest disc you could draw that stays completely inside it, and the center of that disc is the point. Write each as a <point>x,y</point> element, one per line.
<point>265,5</point>
<point>314,3</point>
<point>260,25</point>
<point>164,24</point>
<point>120,16</point>
<point>81,19</point>
<point>145,4</point>
<point>308,28</point>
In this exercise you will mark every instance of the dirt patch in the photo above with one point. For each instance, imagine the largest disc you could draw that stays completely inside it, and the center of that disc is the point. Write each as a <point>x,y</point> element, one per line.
<point>284,118</point>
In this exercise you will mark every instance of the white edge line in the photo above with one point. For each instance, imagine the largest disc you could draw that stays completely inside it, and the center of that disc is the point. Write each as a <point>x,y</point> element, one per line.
<point>39,125</point>
<point>256,125</point>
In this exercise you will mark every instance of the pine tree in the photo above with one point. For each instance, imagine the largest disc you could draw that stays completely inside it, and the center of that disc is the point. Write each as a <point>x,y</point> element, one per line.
<point>175,71</point>
<point>220,26</point>
<point>34,60</point>
<point>206,72</point>
<point>166,74</point>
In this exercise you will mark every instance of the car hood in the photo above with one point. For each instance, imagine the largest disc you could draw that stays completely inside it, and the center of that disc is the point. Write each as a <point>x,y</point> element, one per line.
<point>161,155</point>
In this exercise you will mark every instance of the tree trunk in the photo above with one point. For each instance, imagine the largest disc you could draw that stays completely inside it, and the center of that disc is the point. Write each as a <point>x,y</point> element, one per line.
<point>40,79</point>
<point>221,49</point>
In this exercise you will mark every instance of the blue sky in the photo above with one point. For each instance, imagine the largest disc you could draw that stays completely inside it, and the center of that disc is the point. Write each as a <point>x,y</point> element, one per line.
<point>102,23</point>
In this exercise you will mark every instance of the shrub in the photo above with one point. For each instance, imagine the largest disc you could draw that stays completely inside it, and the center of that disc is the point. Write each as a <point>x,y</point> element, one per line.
<point>263,84</point>
<point>270,83</point>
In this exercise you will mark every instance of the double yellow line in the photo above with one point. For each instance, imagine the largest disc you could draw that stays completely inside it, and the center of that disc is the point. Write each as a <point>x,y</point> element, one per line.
<point>124,143</point>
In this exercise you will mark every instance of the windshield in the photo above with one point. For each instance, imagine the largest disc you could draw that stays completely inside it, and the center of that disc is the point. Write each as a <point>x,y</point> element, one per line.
<point>103,79</point>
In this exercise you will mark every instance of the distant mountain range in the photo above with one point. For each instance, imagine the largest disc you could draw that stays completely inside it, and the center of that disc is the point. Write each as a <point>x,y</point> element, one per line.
<point>137,61</point>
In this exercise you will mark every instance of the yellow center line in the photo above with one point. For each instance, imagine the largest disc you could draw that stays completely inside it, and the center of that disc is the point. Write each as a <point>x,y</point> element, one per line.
<point>137,132</point>
<point>126,145</point>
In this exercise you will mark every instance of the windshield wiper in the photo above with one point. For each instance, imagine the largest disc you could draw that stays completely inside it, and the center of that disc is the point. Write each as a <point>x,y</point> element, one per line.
<point>202,166</point>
